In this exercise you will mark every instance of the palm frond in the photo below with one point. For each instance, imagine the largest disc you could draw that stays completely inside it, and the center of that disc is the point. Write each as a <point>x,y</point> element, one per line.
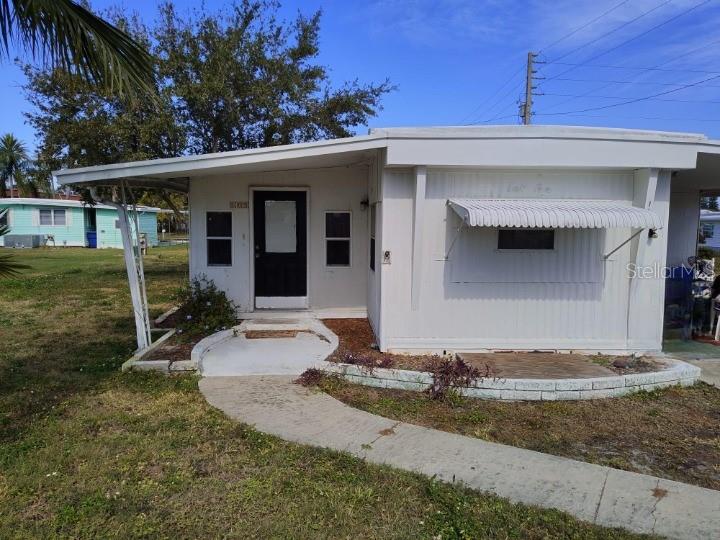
<point>8,267</point>
<point>70,36</point>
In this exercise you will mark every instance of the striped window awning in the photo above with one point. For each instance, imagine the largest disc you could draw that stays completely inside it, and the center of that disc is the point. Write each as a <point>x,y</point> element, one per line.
<point>546,213</point>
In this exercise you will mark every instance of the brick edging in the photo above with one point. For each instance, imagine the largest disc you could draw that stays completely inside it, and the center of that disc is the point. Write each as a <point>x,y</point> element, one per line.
<point>676,372</point>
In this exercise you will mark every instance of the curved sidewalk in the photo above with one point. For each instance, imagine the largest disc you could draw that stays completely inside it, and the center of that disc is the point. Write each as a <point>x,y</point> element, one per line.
<point>610,497</point>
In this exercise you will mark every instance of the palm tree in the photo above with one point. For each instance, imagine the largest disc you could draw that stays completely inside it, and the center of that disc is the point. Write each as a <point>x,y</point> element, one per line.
<point>13,157</point>
<point>72,37</point>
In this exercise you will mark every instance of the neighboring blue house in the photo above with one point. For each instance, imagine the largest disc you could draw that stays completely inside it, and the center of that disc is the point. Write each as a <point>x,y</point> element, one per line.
<point>71,223</point>
<point>710,229</point>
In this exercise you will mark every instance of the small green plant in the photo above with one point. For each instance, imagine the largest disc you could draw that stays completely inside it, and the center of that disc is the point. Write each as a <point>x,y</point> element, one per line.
<point>204,309</point>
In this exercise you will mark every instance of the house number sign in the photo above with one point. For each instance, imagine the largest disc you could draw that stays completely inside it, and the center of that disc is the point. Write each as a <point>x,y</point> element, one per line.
<point>238,204</point>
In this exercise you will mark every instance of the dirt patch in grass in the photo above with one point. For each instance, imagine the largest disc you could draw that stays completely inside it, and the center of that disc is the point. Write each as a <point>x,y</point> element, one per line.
<point>673,433</point>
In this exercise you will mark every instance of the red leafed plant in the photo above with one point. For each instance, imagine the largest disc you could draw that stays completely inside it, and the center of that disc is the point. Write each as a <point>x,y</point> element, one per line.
<point>450,373</point>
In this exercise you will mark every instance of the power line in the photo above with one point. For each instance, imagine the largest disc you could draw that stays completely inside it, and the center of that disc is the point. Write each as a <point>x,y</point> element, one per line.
<point>584,26</point>
<point>515,88</point>
<point>646,83</point>
<point>669,61</point>
<point>639,117</point>
<point>635,100</point>
<point>668,21</point>
<point>595,96</point>
<point>515,74</point>
<point>485,101</point>
<point>603,36</point>
<point>635,68</point>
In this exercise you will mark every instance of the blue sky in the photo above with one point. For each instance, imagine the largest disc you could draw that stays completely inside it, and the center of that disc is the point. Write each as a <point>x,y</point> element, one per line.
<point>462,61</point>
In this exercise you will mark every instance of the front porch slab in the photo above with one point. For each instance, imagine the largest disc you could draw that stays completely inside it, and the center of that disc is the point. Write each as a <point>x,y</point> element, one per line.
<point>290,347</point>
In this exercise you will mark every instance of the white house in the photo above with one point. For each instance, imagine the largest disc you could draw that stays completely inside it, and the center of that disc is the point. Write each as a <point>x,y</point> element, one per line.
<point>472,238</point>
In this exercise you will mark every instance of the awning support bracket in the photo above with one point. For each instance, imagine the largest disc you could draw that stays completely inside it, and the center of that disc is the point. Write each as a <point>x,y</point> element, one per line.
<point>454,240</point>
<point>607,255</point>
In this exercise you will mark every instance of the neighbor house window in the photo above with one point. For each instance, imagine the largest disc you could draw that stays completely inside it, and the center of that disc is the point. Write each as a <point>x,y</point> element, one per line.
<point>219,238</point>
<point>4,217</point>
<point>526,239</point>
<point>337,238</point>
<point>373,217</point>
<point>52,216</point>
<point>708,230</point>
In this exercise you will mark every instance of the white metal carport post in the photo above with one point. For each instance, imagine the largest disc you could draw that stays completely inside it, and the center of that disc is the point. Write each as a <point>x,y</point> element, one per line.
<point>136,277</point>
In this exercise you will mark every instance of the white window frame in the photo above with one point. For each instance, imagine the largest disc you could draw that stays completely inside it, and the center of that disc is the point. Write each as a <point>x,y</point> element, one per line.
<point>348,238</point>
<point>52,217</point>
<point>208,237</point>
<point>710,227</point>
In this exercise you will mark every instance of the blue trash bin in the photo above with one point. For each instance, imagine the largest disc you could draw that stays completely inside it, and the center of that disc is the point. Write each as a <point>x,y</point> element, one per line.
<point>91,239</point>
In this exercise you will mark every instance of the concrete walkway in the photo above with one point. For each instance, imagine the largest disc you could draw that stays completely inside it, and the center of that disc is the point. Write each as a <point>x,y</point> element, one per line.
<point>231,353</point>
<point>710,370</point>
<point>610,497</point>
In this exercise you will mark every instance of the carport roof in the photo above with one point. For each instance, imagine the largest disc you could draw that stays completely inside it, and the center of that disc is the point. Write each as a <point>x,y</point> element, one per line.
<point>485,146</point>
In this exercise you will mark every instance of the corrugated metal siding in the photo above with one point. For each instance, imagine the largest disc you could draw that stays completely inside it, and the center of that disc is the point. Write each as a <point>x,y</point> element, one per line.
<point>497,314</point>
<point>576,258</point>
<point>71,234</point>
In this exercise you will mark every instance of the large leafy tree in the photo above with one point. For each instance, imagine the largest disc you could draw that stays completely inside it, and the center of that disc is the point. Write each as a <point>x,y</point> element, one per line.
<point>13,160</point>
<point>80,124</point>
<point>72,37</point>
<point>241,79</point>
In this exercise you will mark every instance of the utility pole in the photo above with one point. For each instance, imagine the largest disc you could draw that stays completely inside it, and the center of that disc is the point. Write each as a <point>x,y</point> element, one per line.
<point>526,107</point>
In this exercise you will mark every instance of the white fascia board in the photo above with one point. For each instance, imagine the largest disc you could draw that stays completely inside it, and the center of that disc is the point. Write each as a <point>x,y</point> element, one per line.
<point>537,132</point>
<point>187,165</point>
<point>542,153</point>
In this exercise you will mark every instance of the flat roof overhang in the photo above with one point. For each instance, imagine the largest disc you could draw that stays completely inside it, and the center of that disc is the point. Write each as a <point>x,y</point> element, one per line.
<point>174,173</point>
<point>548,147</point>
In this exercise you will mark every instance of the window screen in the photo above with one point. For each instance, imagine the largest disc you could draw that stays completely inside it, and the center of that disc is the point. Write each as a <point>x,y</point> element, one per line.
<point>45,217</point>
<point>526,239</point>
<point>337,238</point>
<point>59,217</point>
<point>219,238</point>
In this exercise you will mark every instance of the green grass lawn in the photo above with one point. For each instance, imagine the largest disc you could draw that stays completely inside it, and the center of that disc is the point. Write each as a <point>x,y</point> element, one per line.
<point>88,452</point>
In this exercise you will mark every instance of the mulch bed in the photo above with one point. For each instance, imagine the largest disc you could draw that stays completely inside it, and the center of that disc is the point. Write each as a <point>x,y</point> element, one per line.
<point>357,340</point>
<point>357,346</point>
<point>270,334</point>
<point>174,349</point>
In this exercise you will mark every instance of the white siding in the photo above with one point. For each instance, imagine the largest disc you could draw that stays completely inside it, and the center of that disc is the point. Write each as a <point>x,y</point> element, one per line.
<point>340,188</point>
<point>542,315</point>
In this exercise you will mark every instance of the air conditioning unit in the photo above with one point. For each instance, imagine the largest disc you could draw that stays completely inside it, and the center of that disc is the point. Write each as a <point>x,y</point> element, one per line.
<point>24,240</point>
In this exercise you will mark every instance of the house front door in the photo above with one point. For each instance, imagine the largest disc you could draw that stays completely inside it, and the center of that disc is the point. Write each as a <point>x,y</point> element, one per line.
<point>280,244</point>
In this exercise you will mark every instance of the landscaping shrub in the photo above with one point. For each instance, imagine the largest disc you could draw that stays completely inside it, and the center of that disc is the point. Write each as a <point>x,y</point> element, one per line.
<point>311,377</point>
<point>450,373</point>
<point>203,309</point>
<point>369,362</point>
